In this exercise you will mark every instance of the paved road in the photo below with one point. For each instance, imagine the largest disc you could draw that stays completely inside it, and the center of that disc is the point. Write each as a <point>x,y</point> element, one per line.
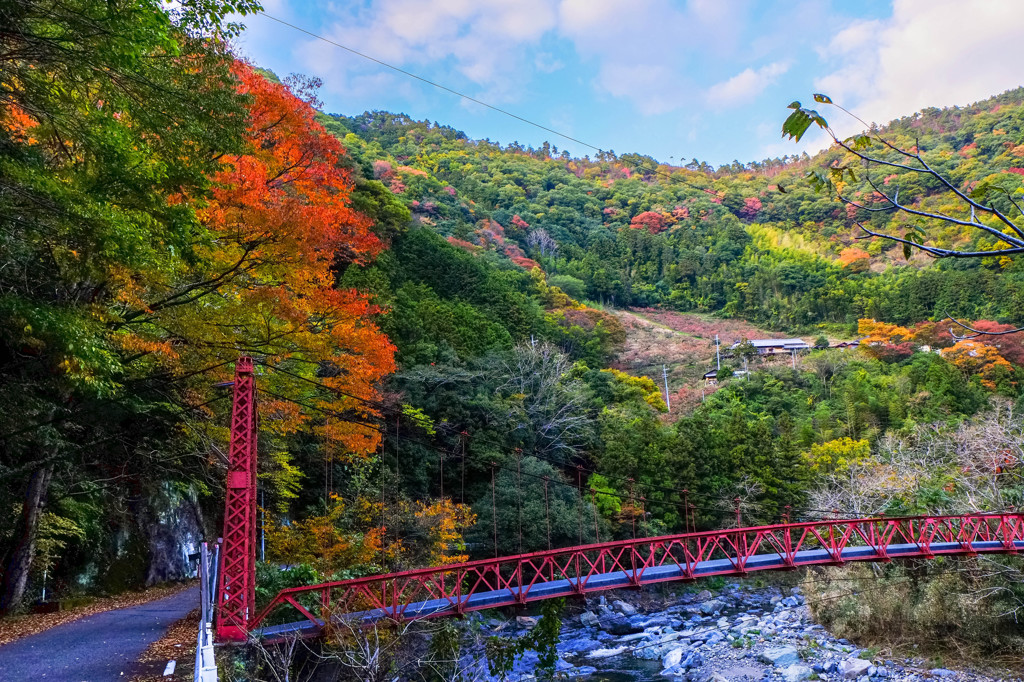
<point>96,648</point>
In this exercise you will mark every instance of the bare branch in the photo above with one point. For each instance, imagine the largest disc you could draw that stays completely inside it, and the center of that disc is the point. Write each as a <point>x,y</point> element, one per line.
<point>976,332</point>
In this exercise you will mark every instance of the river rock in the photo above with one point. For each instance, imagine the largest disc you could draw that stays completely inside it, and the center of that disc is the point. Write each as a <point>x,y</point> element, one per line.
<point>796,673</point>
<point>589,619</point>
<point>526,621</point>
<point>780,656</point>
<point>852,668</point>
<point>941,672</point>
<point>625,608</point>
<point>616,624</point>
<point>711,607</point>
<point>673,658</point>
<point>579,645</point>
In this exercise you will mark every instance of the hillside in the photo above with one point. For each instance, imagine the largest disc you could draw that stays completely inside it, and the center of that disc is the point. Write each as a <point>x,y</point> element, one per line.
<point>755,241</point>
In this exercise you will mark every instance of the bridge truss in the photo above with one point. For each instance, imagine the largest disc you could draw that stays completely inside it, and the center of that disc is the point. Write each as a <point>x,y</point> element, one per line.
<point>489,583</point>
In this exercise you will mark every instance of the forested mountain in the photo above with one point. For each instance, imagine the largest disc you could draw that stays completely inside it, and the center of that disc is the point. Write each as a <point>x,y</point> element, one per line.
<point>753,240</point>
<point>434,322</point>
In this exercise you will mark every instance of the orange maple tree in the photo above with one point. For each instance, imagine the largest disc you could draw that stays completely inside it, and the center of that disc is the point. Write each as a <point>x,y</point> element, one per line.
<point>976,358</point>
<point>279,222</point>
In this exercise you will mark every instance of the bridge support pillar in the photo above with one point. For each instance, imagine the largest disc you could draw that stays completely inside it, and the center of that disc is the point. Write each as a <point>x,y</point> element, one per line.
<point>236,588</point>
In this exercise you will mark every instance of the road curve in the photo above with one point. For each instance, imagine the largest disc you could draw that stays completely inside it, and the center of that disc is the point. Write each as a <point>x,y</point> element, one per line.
<point>97,648</point>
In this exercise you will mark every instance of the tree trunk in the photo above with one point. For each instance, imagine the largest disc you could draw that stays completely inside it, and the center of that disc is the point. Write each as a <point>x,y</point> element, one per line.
<point>15,578</point>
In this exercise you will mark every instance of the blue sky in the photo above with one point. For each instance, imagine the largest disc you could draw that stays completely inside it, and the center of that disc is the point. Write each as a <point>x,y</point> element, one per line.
<point>674,79</point>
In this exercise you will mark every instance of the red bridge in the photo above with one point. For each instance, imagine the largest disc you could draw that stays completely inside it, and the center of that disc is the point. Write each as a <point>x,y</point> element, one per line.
<point>520,579</point>
<point>489,583</point>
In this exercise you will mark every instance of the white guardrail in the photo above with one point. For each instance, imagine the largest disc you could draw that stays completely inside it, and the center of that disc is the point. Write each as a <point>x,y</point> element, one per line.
<point>206,667</point>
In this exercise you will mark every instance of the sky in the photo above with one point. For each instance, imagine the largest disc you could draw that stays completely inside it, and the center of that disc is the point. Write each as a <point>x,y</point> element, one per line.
<point>674,79</point>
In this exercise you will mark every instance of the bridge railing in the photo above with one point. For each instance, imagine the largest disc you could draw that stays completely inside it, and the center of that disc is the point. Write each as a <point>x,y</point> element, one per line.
<point>518,579</point>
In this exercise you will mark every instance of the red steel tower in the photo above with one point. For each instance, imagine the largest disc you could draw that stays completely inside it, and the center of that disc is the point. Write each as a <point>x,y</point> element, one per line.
<point>236,588</point>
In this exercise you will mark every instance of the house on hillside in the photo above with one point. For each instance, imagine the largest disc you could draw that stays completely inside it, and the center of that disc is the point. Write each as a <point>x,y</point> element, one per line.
<point>776,346</point>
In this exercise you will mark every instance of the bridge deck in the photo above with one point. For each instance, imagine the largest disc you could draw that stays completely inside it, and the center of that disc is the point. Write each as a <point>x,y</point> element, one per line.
<point>619,579</point>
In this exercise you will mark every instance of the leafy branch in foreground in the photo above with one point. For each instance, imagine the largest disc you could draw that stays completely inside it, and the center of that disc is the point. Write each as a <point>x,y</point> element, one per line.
<point>1008,235</point>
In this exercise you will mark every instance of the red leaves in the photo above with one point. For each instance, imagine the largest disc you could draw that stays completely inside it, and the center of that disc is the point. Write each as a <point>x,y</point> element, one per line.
<point>651,221</point>
<point>283,219</point>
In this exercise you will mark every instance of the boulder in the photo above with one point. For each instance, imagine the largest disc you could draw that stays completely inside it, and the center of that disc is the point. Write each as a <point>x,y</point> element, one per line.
<point>625,608</point>
<point>606,653</point>
<point>525,621</point>
<point>704,595</point>
<point>673,658</point>
<point>852,668</point>
<point>780,657</point>
<point>692,660</point>
<point>589,619</point>
<point>651,653</point>
<point>941,672</point>
<point>711,607</point>
<point>796,673</point>
<point>616,624</point>
<point>579,645</point>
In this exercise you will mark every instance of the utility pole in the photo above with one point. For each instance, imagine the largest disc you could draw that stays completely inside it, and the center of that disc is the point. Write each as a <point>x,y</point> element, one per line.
<point>664,373</point>
<point>718,354</point>
<point>793,353</point>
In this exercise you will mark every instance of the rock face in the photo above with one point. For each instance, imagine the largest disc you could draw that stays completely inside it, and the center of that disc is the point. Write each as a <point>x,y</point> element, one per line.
<point>173,526</point>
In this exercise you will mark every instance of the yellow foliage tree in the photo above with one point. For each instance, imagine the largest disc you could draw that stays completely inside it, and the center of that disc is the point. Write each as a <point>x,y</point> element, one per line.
<point>836,456</point>
<point>875,332</point>
<point>346,537</point>
<point>445,522</point>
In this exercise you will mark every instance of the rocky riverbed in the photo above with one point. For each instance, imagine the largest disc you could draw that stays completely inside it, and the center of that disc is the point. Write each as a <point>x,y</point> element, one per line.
<point>735,635</point>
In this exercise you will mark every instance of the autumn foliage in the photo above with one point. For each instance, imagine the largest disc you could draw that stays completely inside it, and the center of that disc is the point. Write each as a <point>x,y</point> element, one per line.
<point>282,219</point>
<point>975,358</point>
<point>347,536</point>
<point>651,221</point>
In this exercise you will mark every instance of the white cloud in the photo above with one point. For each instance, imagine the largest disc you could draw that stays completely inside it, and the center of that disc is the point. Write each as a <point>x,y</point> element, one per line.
<point>547,63</point>
<point>928,53</point>
<point>485,41</point>
<point>746,85</point>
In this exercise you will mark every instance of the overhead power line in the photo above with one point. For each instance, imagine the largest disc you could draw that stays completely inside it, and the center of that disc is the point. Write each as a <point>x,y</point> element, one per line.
<point>480,102</point>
